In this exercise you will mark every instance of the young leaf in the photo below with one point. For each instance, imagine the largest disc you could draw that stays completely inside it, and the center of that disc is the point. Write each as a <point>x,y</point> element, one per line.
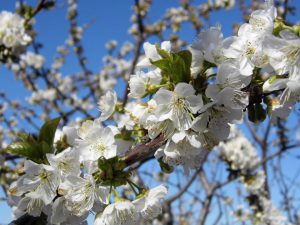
<point>27,150</point>
<point>177,69</point>
<point>163,53</point>
<point>19,148</point>
<point>48,130</point>
<point>186,55</point>
<point>162,64</point>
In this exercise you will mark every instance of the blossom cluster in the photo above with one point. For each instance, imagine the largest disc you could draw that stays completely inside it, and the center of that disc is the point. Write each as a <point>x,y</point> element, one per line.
<point>194,110</point>
<point>240,155</point>
<point>68,184</point>
<point>190,98</point>
<point>238,152</point>
<point>13,36</point>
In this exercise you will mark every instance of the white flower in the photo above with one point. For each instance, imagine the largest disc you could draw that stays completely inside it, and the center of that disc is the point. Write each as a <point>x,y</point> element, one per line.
<point>178,106</point>
<point>181,153</point>
<point>156,127</point>
<point>61,215</point>
<point>34,60</point>
<point>189,136</point>
<point>209,42</point>
<point>95,141</point>
<point>213,124</point>
<point>247,48</point>
<point>139,82</point>
<point>126,48</point>
<point>32,205</point>
<point>118,213</point>
<point>256,184</point>
<point>39,185</point>
<point>291,93</point>
<point>65,162</point>
<point>81,193</point>
<point>244,50</point>
<point>261,21</point>
<point>112,44</point>
<point>276,110</point>
<point>274,84</point>
<point>142,111</point>
<point>12,30</point>
<point>177,16</point>
<point>270,214</point>
<point>71,134</point>
<point>227,89</point>
<point>197,61</point>
<point>284,52</point>
<point>228,4</point>
<point>151,53</point>
<point>150,204</point>
<point>125,120</point>
<point>49,94</point>
<point>106,82</point>
<point>239,152</point>
<point>184,148</point>
<point>107,104</point>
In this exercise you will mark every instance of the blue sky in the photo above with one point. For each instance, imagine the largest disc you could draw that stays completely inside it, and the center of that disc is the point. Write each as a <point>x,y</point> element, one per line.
<point>109,19</point>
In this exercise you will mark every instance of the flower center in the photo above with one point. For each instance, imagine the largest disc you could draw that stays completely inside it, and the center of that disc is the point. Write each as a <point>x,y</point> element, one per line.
<point>100,147</point>
<point>294,55</point>
<point>249,49</point>
<point>179,103</point>
<point>43,175</point>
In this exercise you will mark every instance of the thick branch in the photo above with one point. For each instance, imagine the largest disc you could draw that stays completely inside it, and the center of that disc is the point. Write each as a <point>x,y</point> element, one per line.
<point>144,151</point>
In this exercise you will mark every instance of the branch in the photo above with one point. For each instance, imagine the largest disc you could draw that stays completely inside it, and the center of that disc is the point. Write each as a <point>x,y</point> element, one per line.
<point>278,153</point>
<point>210,190</point>
<point>144,151</point>
<point>190,182</point>
<point>254,133</point>
<point>140,40</point>
<point>36,10</point>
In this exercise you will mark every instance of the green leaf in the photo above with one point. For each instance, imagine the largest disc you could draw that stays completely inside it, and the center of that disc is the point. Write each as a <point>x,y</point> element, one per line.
<point>27,138</point>
<point>186,55</point>
<point>23,136</point>
<point>19,148</point>
<point>33,148</point>
<point>176,67</point>
<point>28,13</point>
<point>163,53</point>
<point>163,64</point>
<point>45,148</point>
<point>180,66</point>
<point>27,150</point>
<point>48,130</point>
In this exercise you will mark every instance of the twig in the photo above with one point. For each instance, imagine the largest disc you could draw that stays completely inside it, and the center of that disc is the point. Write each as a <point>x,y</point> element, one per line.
<point>36,10</point>
<point>140,40</point>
